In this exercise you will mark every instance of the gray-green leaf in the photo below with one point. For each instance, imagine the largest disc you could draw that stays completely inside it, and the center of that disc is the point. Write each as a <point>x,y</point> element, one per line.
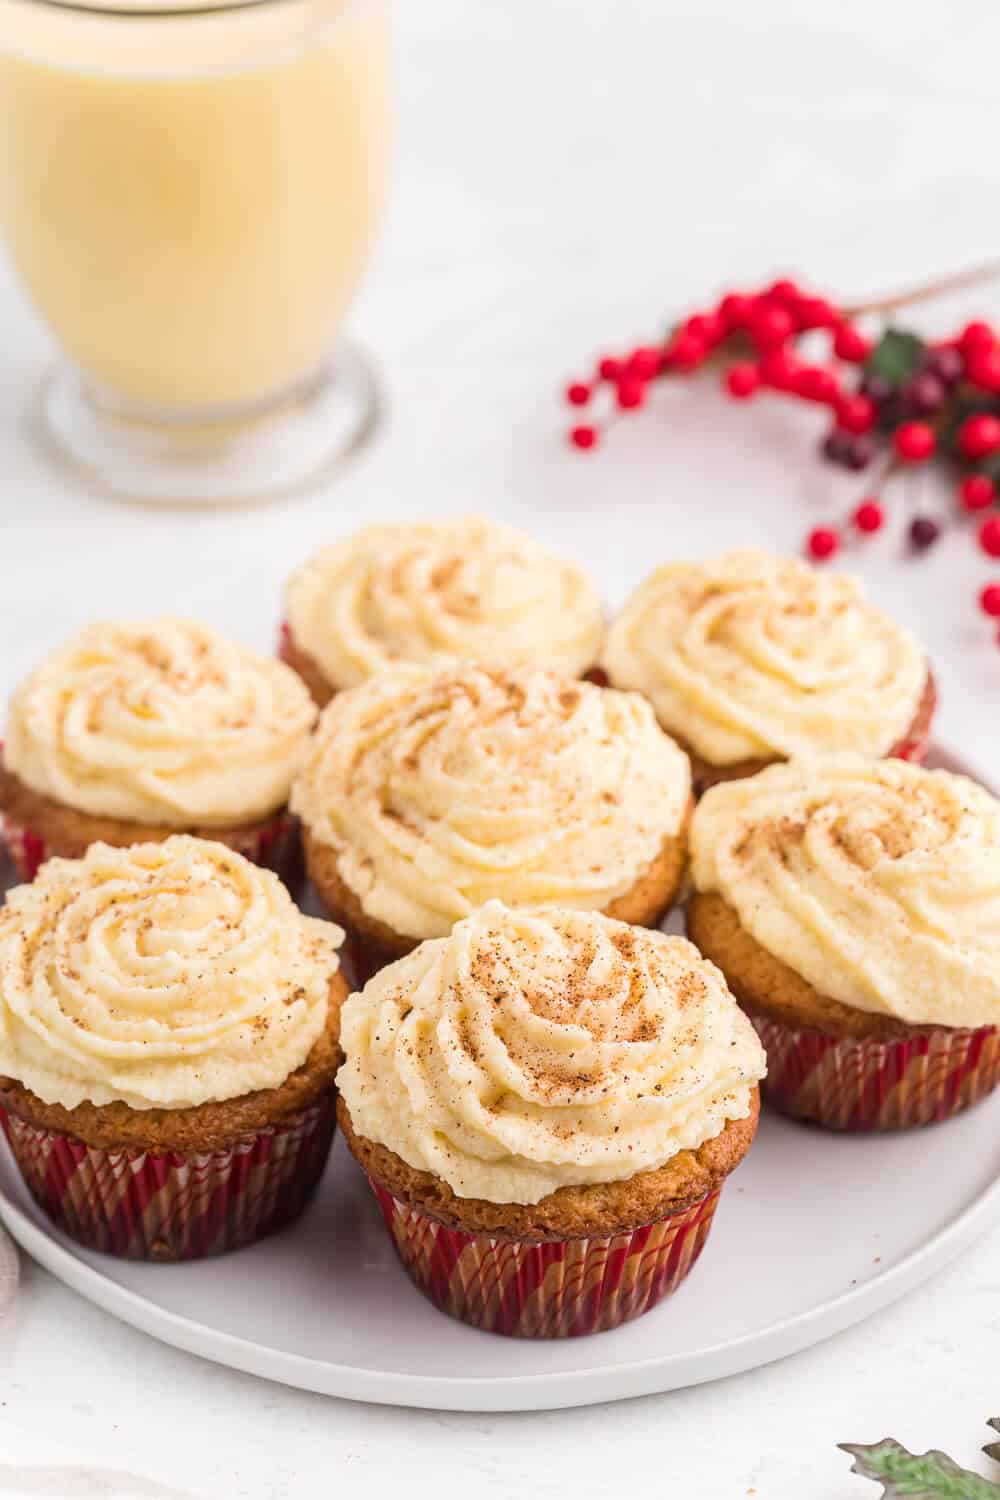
<point>917,1476</point>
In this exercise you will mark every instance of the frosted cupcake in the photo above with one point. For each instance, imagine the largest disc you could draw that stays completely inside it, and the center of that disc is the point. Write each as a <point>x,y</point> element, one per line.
<point>425,794</point>
<point>547,1107</point>
<point>167,1047</point>
<point>134,730</point>
<point>433,593</point>
<point>750,659</point>
<point>854,907</point>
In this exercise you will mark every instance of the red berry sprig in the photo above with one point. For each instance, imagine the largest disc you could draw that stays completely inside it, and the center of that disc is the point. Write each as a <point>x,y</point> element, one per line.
<point>896,395</point>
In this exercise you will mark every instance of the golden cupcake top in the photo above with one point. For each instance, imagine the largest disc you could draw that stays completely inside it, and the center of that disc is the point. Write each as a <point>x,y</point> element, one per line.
<point>437,592</point>
<point>752,657</point>
<point>877,881</point>
<point>525,1053</point>
<point>162,722</point>
<point>164,976</point>
<point>440,790</point>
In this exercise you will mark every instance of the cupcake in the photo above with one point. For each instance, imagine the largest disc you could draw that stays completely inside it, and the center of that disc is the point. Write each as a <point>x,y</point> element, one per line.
<point>167,1047</point>
<point>547,1107</point>
<point>135,730</point>
<point>854,908</point>
<point>433,593</point>
<point>749,659</point>
<point>426,793</point>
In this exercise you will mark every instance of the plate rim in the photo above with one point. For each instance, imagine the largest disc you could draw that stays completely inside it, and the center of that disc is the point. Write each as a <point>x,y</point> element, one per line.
<point>547,1391</point>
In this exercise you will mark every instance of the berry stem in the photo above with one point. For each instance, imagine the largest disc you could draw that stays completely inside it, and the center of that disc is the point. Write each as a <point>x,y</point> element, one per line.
<point>956,281</point>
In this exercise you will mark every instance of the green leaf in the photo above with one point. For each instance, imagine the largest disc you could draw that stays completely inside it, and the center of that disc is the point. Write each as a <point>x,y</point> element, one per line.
<point>917,1476</point>
<point>992,1450</point>
<point>897,356</point>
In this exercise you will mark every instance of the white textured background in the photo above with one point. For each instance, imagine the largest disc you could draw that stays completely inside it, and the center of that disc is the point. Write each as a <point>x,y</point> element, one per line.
<point>570,172</point>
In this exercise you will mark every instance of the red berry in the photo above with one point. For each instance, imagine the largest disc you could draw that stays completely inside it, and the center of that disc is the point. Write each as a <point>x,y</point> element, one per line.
<point>856,413</point>
<point>983,369</point>
<point>583,437</point>
<point>979,436</point>
<point>783,291</point>
<point>976,492</point>
<point>734,309</point>
<point>816,312</point>
<point>989,600</point>
<point>989,536</point>
<point>850,344</point>
<point>779,368</point>
<point>686,352</point>
<point>742,380</point>
<point>578,394</point>
<point>631,393</point>
<point>914,441</point>
<point>976,336</point>
<point>869,516</point>
<point>822,543</point>
<point>644,363</point>
<point>609,369</point>
<point>769,324</point>
<point>814,383</point>
<point>708,328</point>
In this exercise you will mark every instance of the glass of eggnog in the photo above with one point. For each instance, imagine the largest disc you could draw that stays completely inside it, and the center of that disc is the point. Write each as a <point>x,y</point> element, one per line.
<point>190,193</point>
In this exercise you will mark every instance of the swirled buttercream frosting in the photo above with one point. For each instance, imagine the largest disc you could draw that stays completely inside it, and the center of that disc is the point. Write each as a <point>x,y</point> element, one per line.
<point>749,656</point>
<point>163,976</point>
<point>161,722</point>
<point>437,592</point>
<point>525,1053</point>
<point>877,881</point>
<point>440,790</point>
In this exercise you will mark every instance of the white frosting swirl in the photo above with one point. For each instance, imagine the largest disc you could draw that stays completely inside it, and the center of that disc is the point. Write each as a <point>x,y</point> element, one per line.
<point>525,1053</point>
<point>164,975</point>
<point>160,722</point>
<point>440,791</point>
<point>437,592</point>
<point>749,657</point>
<point>877,881</point>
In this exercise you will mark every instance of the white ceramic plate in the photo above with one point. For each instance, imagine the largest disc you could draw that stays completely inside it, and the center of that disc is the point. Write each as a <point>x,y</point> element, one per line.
<point>815,1232</point>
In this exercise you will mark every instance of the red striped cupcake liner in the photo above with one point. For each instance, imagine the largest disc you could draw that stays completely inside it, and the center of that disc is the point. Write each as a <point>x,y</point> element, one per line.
<point>274,845</point>
<point>863,1085</point>
<point>557,1289</point>
<point>174,1206</point>
<point>913,749</point>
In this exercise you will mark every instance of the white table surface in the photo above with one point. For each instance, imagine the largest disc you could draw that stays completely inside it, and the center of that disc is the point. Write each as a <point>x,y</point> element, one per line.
<point>569,172</point>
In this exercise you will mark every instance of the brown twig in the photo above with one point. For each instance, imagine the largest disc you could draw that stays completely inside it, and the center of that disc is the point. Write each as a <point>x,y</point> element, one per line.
<point>957,281</point>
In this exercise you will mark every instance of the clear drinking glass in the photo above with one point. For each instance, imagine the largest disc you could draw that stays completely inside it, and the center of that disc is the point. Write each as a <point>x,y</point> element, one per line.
<point>190,194</point>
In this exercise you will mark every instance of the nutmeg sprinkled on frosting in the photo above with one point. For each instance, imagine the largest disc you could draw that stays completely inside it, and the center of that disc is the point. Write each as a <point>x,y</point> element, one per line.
<point>524,1053</point>
<point>877,881</point>
<point>437,592</point>
<point>753,657</point>
<point>160,722</point>
<point>441,790</point>
<point>164,976</point>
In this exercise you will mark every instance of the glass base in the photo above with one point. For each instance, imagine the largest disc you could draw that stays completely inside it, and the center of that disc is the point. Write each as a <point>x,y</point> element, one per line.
<point>220,457</point>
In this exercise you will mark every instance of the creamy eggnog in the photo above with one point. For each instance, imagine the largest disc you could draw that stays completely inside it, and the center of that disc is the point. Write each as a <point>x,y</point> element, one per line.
<point>190,197</point>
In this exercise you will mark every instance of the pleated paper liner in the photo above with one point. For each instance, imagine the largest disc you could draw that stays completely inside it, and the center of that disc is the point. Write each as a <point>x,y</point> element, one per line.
<point>864,1085</point>
<point>559,1289</point>
<point>275,845</point>
<point>174,1206</point>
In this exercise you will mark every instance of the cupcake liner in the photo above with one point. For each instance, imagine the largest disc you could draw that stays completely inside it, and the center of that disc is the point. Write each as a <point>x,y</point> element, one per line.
<point>275,845</point>
<point>847,1084</point>
<point>174,1206</point>
<point>362,958</point>
<point>557,1289</point>
<point>914,748</point>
